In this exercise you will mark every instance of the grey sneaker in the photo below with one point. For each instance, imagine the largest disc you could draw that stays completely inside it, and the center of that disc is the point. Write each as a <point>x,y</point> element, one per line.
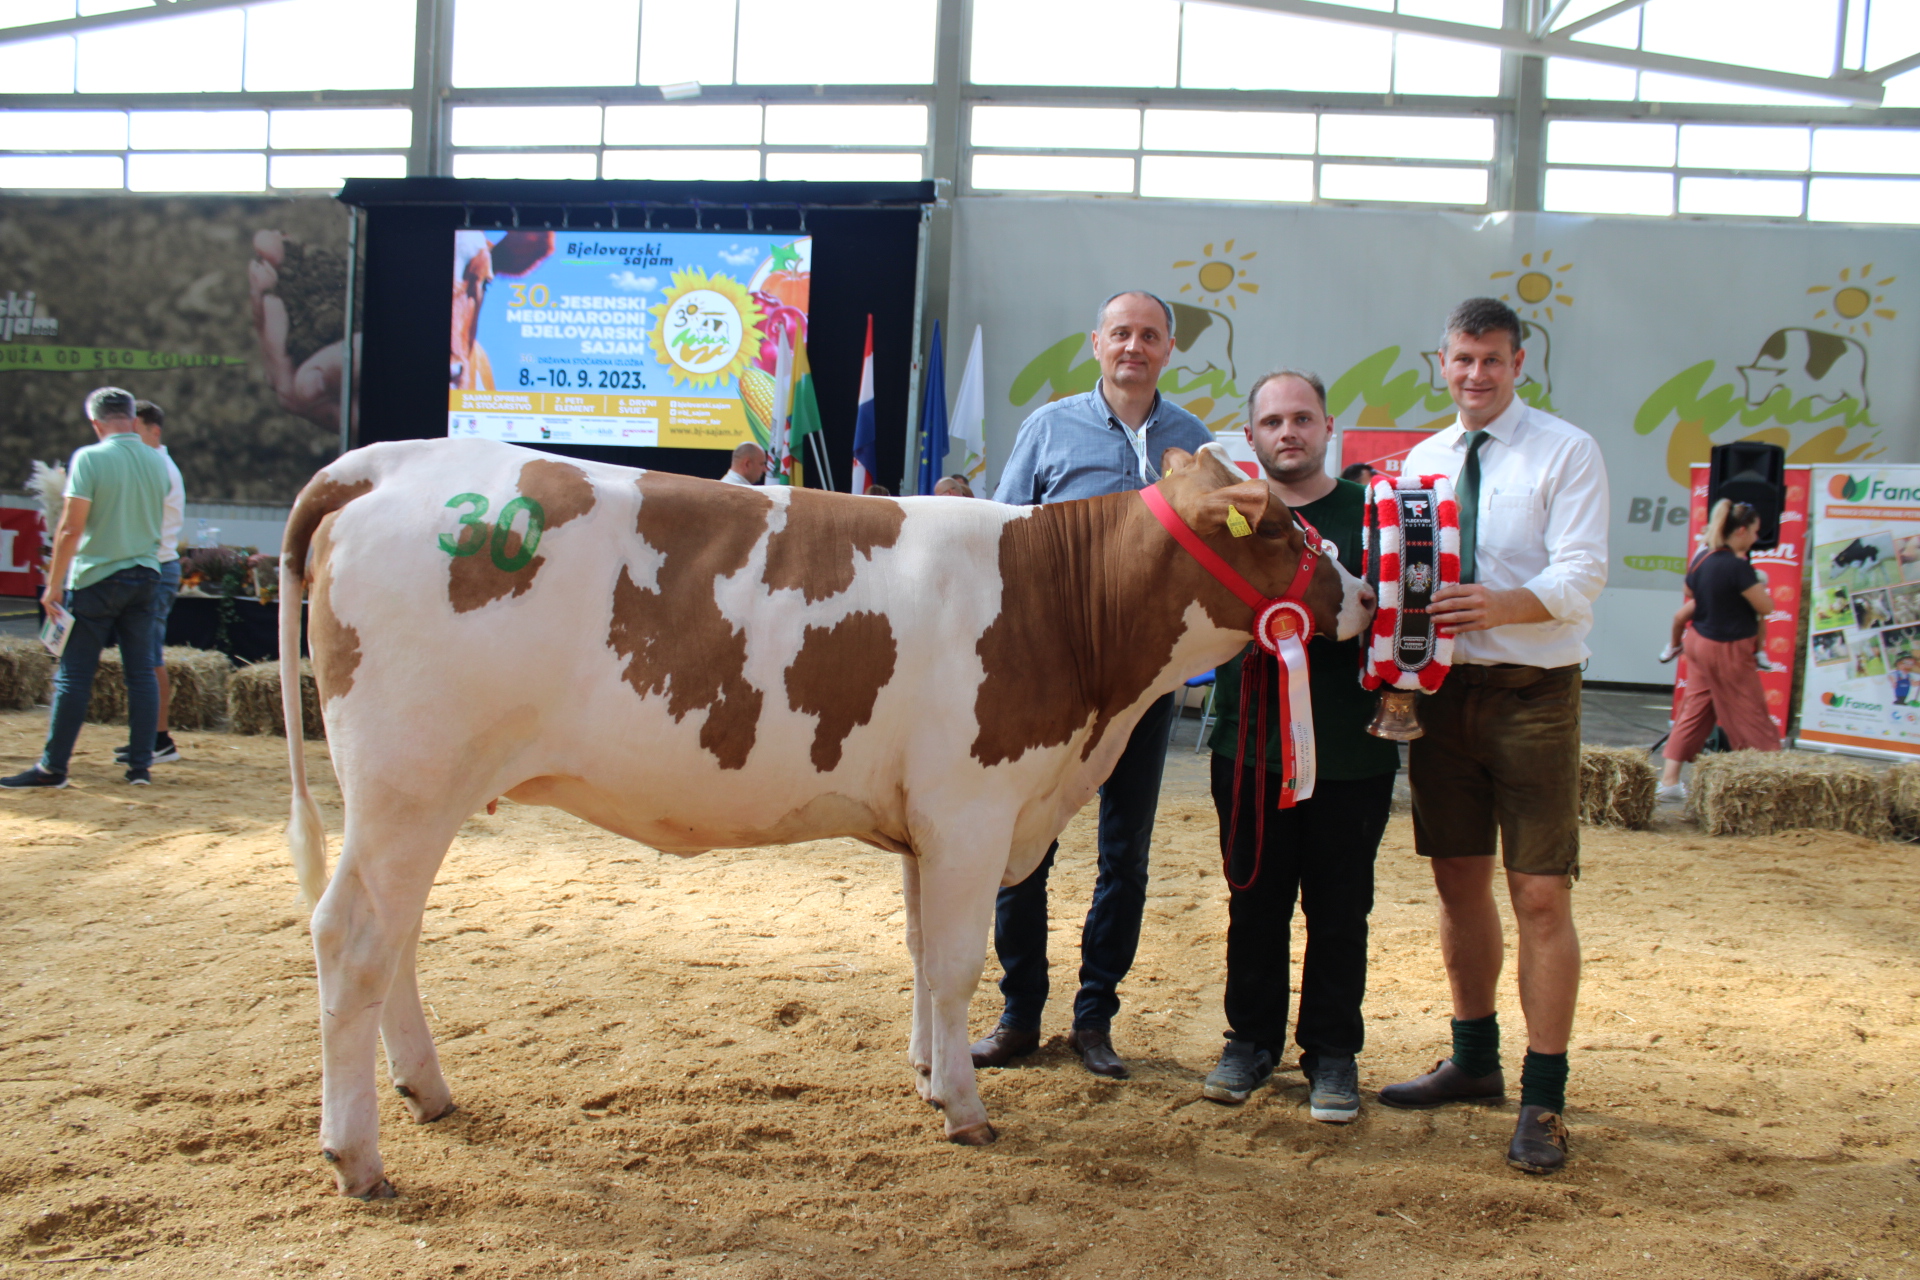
<point>34,777</point>
<point>1244,1067</point>
<point>1333,1090</point>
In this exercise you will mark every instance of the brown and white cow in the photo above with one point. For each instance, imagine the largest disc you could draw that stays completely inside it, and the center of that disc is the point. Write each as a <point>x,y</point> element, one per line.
<point>696,666</point>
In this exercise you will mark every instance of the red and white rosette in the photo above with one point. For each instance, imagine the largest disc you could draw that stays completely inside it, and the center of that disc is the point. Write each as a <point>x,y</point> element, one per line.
<point>1283,629</point>
<point>1405,650</point>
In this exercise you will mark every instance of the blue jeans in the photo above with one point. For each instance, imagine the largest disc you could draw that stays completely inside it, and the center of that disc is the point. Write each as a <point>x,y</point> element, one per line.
<point>119,605</point>
<point>1128,800</point>
<point>164,592</point>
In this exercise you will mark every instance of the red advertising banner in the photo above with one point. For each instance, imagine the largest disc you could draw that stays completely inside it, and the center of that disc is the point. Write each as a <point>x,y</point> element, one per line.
<point>21,541</point>
<point>1381,448</point>
<point>1782,565</point>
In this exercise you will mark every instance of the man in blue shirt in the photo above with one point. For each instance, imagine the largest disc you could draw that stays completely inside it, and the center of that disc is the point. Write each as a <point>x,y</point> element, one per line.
<point>1109,440</point>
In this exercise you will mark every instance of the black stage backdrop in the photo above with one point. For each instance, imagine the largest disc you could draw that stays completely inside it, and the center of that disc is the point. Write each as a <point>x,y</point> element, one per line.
<point>864,260</point>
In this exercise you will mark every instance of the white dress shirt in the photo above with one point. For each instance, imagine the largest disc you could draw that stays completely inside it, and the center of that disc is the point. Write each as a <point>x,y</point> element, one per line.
<point>734,477</point>
<point>1542,526</point>
<point>173,513</point>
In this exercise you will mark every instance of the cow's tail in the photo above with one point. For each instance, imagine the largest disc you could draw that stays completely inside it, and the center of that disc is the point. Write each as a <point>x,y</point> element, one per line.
<point>306,835</point>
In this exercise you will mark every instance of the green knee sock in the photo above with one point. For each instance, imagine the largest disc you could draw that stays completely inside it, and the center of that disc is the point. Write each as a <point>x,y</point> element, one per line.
<point>1476,1045</point>
<point>1543,1081</point>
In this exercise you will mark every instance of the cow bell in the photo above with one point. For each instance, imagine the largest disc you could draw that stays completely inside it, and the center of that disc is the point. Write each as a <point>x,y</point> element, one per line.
<point>1398,717</point>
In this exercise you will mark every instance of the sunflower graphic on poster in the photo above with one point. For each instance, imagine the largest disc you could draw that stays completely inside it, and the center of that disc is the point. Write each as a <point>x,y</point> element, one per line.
<point>709,328</point>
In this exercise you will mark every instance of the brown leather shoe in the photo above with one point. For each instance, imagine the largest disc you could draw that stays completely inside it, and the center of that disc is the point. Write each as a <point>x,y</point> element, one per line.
<point>1445,1083</point>
<point>1096,1053</point>
<point>1539,1142</point>
<point>1003,1046</point>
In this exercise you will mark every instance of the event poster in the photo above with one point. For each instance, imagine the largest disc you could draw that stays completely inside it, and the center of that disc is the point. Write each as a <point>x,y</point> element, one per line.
<point>1782,565</point>
<point>1862,690</point>
<point>644,338</point>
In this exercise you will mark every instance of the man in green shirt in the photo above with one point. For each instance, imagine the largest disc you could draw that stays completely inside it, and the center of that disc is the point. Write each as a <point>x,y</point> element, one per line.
<point>106,561</point>
<point>1320,851</point>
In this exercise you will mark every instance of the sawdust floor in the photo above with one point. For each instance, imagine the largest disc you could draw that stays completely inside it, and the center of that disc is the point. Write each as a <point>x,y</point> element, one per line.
<point>696,1068</point>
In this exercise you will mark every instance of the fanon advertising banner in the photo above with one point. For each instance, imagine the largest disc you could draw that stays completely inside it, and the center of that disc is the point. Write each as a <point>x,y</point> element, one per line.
<point>1662,339</point>
<point>1862,688</point>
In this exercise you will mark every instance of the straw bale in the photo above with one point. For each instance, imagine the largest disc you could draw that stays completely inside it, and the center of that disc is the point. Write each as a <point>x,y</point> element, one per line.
<point>199,679</point>
<point>1617,787</point>
<point>1756,793</point>
<point>253,700</point>
<point>108,705</point>
<point>1900,785</point>
<point>26,673</point>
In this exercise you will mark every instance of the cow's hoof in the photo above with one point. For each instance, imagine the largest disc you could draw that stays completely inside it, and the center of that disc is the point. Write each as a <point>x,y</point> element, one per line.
<point>974,1135</point>
<point>381,1190</point>
<point>451,1108</point>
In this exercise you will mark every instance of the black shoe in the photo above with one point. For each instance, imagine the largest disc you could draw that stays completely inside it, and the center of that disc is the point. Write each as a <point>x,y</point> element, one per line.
<point>1539,1142</point>
<point>1096,1053</point>
<point>1333,1093</point>
<point>1003,1046</point>
<point>165,750</point>
<point>139,777</point>
<point>34,777</point>
<point>1244,1067</point>
<point>1445,1083</point>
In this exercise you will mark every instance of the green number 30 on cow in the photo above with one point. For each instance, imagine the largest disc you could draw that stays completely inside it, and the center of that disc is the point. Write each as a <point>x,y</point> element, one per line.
<point>474,533</point>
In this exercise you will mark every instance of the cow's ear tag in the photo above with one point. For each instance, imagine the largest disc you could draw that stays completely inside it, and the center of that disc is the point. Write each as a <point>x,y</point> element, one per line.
<point>1237,524</point>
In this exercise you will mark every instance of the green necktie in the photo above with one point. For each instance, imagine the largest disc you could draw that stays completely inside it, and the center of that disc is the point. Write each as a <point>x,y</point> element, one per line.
<point>1467,497</point>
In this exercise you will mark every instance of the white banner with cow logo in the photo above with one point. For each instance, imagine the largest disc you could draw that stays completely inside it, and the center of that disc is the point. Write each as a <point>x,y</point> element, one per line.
<point>1861,692</point>
<point>1661,338</point>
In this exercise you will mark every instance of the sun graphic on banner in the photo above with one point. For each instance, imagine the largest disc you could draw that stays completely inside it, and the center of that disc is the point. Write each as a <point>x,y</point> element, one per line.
<point>1218,278</point>
<point>703,328</point>
<point>1536,287</point>
<point>1854,298</point>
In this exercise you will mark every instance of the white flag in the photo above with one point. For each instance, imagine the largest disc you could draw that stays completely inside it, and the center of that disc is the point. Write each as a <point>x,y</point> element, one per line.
<point>967,428</point>
<point>779,441</point>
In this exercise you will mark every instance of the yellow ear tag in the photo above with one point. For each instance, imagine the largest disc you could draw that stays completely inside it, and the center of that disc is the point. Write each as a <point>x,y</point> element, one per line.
<point>1237,524</point>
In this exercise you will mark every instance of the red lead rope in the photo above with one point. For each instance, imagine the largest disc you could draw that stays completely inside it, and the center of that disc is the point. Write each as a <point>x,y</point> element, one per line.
<point>1281,628</point>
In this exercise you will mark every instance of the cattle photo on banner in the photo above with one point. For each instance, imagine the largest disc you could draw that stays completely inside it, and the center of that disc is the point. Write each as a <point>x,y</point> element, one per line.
<point>1780,629</point>
<point>866,440</point>
<point>1861,694</point>
<point>639,338</point>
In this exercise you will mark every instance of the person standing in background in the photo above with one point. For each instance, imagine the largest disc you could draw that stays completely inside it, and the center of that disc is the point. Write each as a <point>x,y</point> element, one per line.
<point>1730,604</point>
<point>106,560</point>
<point>749,465</point>
<point>149,421</point>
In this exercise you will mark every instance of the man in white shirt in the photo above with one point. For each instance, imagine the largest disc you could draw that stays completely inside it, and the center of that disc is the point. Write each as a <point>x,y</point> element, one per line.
<point>149,420</point>
<point>1501,753</point>
<point>749,465</point>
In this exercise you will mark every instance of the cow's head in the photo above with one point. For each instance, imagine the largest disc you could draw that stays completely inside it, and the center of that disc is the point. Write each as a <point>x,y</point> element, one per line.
<point>469,291</point>
<point>1204,487</point>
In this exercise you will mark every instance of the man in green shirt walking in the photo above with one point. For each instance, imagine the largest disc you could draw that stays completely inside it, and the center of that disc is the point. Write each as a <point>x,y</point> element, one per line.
<point>106,561</point>
<point>1321,850</point>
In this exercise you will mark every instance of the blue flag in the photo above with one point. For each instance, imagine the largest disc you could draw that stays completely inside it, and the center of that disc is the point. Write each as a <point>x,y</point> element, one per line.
<point>933,417</point>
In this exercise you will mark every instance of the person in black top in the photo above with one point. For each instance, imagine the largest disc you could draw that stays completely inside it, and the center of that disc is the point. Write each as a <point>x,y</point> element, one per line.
<point>1723,685</point>
<point>1321,851</point>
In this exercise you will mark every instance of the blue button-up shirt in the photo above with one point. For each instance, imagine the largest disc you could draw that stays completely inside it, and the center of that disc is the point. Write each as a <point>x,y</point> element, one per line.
<point>1077,448</point>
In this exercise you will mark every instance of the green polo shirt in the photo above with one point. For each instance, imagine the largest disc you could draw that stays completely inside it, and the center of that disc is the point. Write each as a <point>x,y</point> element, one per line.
<point>1341,708</point>
<point>127,484</point>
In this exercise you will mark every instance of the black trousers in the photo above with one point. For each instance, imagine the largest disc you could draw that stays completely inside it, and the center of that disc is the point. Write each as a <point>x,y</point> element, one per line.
<point>1321,853</point>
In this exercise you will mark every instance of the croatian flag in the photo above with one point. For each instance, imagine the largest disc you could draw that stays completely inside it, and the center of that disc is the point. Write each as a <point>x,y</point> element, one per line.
<point>866,453</point>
